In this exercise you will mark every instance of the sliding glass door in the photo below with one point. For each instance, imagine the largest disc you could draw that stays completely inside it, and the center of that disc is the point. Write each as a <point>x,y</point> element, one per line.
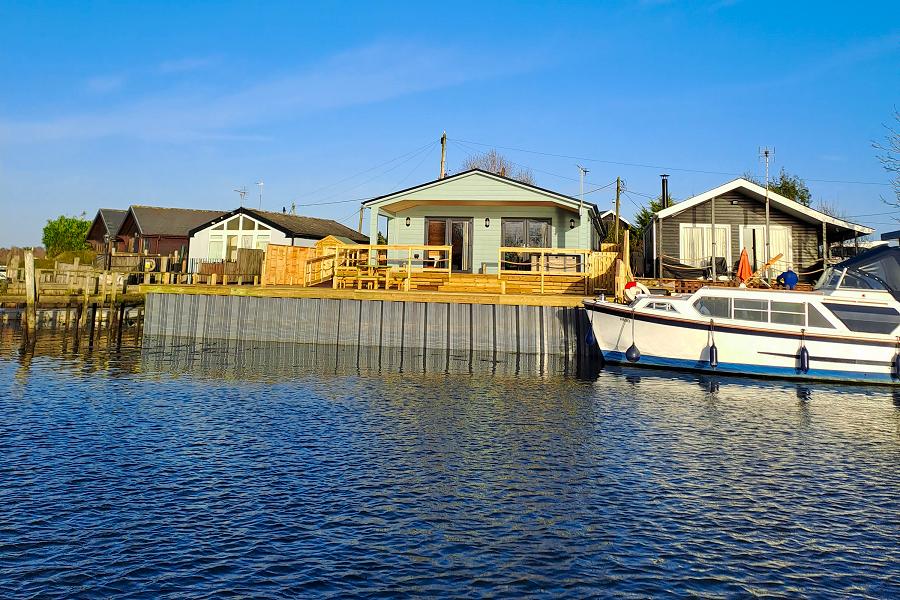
<point>453,232</point>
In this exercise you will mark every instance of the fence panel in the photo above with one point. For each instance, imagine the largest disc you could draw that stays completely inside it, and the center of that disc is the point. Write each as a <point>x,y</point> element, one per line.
<point>285,265</point>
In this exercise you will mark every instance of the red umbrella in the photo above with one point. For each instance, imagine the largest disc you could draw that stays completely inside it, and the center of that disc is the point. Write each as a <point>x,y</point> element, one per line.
<point>744,272</point>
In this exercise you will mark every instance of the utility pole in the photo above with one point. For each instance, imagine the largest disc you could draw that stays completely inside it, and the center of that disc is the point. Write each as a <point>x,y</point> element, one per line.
<point>618,192</point>
<point>359,229</point>
<point>443,155</point>
<point>260,185</point>
<point>583,172</point>
<point>767,154</point>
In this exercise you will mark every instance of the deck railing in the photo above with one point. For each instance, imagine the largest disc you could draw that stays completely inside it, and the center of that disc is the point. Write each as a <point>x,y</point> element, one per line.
<point>515,261</point>
<point>388,263</point>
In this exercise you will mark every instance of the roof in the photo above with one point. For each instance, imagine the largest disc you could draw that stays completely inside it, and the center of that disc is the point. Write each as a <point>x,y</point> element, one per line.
<point>174,222</point>
<point>111,220</point>
<point>891,235</point>
<point>804,213</point>
<point>610,213</point>
<point>570,200</point>
<point>291,225</point>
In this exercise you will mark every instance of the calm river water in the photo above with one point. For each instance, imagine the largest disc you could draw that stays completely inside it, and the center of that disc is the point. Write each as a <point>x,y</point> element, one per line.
<point>176,470</point>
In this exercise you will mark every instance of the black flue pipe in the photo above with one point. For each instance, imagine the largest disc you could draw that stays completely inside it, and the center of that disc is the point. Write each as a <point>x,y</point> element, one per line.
<point>665,190</point>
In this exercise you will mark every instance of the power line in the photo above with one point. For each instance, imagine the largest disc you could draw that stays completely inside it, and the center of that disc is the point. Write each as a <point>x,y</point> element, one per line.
<point>355,175</point>
<point>647,166</point>
<point>408,158</point>
<point>471,151</point>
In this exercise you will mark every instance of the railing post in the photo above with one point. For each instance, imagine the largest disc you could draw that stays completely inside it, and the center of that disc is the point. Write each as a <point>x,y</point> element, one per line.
<point>408,268</point>
<point>542,270</point>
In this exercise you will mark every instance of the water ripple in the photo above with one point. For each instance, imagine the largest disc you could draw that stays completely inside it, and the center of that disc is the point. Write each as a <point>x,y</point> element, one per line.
<point>173,471</point>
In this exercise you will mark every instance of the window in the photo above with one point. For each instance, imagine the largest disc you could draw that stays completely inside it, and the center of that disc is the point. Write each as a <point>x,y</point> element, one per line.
<point>710,306</point>
<point>695,243</point>
<point>526,233</point>
<point>216,249</point>
<point>262,242</point>
<point>866,319</point>
<point>751,310</point>
<point>816,319</point>
<point>233,224</point>
<point>538,234</point>
<point>789,313</point>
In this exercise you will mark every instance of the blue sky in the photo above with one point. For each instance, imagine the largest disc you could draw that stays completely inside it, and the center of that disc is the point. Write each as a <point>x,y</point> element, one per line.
<point>179,103</point>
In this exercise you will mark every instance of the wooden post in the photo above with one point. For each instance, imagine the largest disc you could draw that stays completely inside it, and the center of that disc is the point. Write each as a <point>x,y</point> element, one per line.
<point>212,279</point>
<point>626,250</point>
<point>824,245</point>
<point>30,295</point>
<point>82,318</point>
<point>541,267</point>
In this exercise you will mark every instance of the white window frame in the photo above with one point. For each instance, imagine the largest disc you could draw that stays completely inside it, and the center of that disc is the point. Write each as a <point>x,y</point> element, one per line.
<point>221,235</point>
<point>708,226</point>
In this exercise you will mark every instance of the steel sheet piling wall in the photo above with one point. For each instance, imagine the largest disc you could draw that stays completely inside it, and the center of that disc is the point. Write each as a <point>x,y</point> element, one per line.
<point>417,327</point>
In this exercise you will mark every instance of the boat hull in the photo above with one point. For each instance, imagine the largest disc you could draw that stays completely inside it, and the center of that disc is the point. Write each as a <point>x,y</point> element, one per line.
<point>672,343</point>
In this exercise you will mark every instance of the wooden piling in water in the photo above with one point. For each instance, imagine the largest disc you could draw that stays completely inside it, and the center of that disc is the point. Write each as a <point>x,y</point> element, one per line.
<point>30,295</point>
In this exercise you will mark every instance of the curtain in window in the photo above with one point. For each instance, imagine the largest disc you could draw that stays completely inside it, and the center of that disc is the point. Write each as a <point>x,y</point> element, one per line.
<point>693,247</point>
<point>216,250</point>
<point>781,244</point>
<point>696,244</point>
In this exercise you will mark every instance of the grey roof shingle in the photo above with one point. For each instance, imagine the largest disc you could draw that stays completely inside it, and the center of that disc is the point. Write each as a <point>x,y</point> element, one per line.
<point>112,219</point>
<point>308,227</point>
<point>176,222</point>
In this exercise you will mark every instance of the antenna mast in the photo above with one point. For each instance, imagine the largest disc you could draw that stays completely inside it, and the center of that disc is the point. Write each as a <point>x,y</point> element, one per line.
<point>260,185</point>
<point>767,155</point>
<point>242,192</point>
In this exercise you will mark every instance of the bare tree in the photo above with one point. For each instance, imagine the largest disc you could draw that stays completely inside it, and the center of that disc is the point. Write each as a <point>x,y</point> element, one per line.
<point>831,209</point>
<point>890,157</point>
<point>494,162</point>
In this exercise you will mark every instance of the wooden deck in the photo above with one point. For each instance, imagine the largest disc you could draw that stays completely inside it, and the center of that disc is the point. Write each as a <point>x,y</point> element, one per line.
<point>418,295</point>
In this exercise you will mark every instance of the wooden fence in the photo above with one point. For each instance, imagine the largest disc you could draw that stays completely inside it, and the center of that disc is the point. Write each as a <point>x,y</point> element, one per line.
<point>286,265</point>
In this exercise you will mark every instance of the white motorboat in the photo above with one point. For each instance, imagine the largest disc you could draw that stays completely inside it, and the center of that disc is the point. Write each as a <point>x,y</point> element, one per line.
<point>847,329</point>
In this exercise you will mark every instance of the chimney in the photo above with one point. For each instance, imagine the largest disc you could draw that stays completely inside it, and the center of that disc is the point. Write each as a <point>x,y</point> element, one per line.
<point>665,190</point>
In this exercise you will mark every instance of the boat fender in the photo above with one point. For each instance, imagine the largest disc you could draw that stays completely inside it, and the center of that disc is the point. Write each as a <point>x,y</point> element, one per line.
<point>804,359</point>
<point>634,288</point>
<point>897,362</point>
<point>713,356</point>
<point>633,354</point>
<point>804,353</point>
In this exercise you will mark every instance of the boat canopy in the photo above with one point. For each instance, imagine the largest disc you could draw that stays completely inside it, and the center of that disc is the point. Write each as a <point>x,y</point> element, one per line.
<point>876,269</point>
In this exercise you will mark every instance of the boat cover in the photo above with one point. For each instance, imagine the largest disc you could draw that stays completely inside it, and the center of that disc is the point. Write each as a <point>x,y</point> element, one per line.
<point>878,268</point>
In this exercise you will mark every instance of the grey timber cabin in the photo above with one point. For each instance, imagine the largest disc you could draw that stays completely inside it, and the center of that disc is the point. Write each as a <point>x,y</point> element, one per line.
<point>679,241</point>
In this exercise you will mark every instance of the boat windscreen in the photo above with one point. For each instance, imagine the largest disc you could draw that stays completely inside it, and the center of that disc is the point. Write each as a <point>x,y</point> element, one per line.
<point>877,269</point>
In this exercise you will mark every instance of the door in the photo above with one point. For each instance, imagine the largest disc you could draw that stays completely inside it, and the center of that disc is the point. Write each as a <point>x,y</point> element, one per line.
<point>753,238</point>
<point>460,241</point>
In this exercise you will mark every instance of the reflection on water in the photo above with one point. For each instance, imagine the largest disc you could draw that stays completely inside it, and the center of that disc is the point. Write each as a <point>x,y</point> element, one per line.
<point>171,468</point>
